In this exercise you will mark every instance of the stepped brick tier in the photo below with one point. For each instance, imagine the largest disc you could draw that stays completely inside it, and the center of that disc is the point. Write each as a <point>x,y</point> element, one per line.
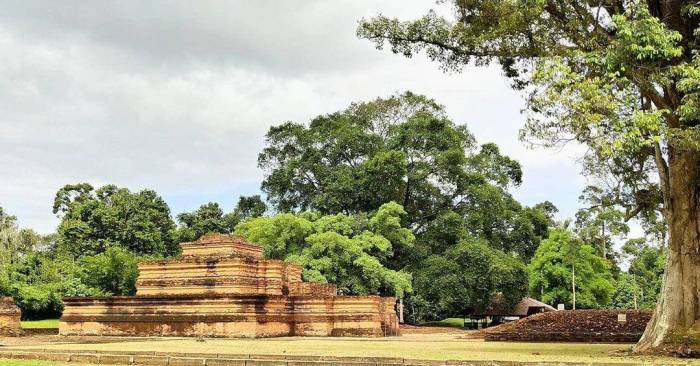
<point>10,316</point>
<point>222,287</point>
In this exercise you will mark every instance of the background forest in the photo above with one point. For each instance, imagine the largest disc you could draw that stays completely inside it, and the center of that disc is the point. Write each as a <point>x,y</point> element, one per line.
<point>386,197</point>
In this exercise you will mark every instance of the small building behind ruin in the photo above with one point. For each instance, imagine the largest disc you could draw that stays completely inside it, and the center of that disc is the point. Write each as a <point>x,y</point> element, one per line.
<point>222,287</point>
<point>497,312</point>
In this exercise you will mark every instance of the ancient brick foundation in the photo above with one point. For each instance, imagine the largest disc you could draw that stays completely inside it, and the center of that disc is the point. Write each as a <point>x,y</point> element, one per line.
<point>600,325</point>
<point>10,316</point>
<point>221,287</point>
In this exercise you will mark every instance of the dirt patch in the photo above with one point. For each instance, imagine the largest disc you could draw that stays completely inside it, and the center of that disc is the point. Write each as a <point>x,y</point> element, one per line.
<point>573,326</point>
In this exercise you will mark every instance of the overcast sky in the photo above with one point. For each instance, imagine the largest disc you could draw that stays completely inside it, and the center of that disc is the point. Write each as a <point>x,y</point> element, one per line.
<point>177,95</point>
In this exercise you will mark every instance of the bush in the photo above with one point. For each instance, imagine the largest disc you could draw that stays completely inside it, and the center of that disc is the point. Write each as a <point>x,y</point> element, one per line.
<point>39,301</point>
<point>38,283</point>
<point>113,272</point>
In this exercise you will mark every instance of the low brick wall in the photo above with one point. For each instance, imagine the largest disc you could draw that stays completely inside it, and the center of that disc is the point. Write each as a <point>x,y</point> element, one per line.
<point>210,359</point>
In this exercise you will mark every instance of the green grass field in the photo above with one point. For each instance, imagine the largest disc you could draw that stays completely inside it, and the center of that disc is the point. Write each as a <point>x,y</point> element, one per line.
<point>449,322</point>
<point>34,324</point>
<point>415,346</point>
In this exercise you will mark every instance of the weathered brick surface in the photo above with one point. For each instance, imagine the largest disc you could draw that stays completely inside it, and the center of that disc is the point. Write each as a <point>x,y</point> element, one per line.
<point>303,358</point>
<point>52,356</point>
<point>585,337</point>
<point>235,356</point>
<point>310,363</point>
<point>600,325</point>
<point>10,315</point>
<point>266,362</point>
<point>150,360</point>
<point>97,358</point>
<point>423,362</point>
<point>116,359</point>
<point>469,363</point>
<point>225,362</point>
<point>186,361</point>
<point>221,287</point>
<point>85,358</point>
<point>25,355</point>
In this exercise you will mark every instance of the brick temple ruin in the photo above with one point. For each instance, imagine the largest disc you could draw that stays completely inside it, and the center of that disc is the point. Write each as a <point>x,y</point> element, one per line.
<point>222,287</point>
<point>10,316</point>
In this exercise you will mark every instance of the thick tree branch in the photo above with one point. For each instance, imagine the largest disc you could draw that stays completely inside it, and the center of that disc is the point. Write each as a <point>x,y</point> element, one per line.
<point>662,168</point>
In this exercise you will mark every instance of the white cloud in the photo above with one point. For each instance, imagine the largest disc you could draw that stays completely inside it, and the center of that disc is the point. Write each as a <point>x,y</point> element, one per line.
<point>177,96</point>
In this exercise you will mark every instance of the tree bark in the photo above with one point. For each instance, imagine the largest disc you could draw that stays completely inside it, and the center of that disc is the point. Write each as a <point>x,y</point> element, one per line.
<point>678,306</point>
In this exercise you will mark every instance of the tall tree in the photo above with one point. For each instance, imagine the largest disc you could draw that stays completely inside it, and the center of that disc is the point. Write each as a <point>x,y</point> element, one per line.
<point>404,149</point>
<point>646,267</point>
<point>210,218</point>
<point>565,270</point>
<point>466,280</point>
<point>249,207</point>
<point>621,77</point>
<point>601,222</point>
<point>93,220</point>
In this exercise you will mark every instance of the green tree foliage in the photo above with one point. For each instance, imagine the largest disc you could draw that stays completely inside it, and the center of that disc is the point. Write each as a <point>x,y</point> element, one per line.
<point>562,260</point>
<point>627,294</point>
<point>210,218</point>
<point>621,77</point>
<point>112,272</point>
<point>38,283</point>
<point>249,207</point>
<point>403,149</point>
<point>348,250</point>
<point>354,160</point>
<point>38,276</point>
<point>465,280</point>
<point>31,273</point>
<point>646,268</point>
<point>601,223</point>
<point>93,220</point>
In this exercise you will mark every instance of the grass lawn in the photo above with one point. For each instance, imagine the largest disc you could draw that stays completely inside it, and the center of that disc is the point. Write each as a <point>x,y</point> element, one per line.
<point>416,346</point>
<point>448,322</point>
<point>34,324</point>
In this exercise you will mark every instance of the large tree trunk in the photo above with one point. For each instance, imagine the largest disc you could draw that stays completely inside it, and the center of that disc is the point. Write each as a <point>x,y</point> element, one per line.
<point>678,307</point>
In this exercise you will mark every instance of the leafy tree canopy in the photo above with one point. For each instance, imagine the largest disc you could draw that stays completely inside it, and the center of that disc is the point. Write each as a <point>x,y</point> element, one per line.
<point>350,251</point>
<point>465,280</point>
<point>561,260</point>
<point>93,220</point>
<point>113,272</point>
<point>210,218</point>
<point>646,269</point>
<point>403,149</point>
<point>621,77</point>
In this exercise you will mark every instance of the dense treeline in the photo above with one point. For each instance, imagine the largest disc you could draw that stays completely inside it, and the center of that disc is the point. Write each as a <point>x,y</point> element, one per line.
<point>386,197</point>
<point>621,78</point>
